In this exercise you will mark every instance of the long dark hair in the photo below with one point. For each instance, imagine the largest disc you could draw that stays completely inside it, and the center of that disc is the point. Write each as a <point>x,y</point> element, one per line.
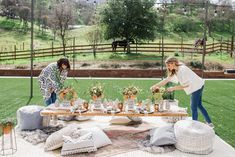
<point>64,61</point>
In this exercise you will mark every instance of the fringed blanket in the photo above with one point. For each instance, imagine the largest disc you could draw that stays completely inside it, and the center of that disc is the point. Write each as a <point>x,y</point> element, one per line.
<point>39,136</point>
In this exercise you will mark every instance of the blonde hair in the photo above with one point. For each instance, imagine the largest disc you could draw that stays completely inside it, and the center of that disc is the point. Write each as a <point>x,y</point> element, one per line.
<point>172,60</point>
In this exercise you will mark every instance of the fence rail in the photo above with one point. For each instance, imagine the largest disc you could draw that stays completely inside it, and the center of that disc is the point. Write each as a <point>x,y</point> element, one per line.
<point>158,47</point>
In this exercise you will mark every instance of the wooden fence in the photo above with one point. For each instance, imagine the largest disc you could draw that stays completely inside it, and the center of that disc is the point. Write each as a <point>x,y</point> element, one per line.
<point>159,47</point>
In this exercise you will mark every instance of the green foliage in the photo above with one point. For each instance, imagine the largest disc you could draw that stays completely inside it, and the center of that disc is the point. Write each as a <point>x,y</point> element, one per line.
<point>176,54</point>
<point>129,19</point>
<point>177,23</point>
<point>7,121</point>
<point>196,64</point>
<point>96,89</point>
<point>131,90</point>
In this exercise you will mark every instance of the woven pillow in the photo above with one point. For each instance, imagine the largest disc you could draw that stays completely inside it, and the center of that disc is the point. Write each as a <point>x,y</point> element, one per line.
<point>163,136</point>
<point>194,137</point>
<point>100,138</point>
<point>55,140</point>
<point>82,144</point>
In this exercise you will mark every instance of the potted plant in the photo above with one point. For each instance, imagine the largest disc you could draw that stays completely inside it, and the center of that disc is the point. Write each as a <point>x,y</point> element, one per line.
<point>130,92</point>
<point>6,125</point>
<point>96,91</point>
<point>68,94</point>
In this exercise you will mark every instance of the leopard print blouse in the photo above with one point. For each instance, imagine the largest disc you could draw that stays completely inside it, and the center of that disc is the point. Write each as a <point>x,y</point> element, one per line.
<point>51,79</point>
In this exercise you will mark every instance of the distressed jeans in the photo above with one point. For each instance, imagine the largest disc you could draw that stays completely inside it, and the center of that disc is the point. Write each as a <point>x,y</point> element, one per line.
<point>196,102</point>
<point>52,99</point>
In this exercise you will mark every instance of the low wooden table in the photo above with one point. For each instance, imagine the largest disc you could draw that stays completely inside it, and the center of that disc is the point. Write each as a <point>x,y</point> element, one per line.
<point>51,114</point>
<point>100,113</point>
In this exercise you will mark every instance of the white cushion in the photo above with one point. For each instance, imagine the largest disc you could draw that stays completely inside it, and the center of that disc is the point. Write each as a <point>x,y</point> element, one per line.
<point>163,136</point>
<point>100,138</point>
<point>55,140</point>
<point>84,143</point>
<point>194,137</point>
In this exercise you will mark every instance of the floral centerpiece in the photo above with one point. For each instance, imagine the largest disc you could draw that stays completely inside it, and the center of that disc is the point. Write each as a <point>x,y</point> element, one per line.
<point>158,97</point>
<point>162,94</point>
<point>68,94</point>
<point>158,94</point>
<point>96,91</point>
<point>130,92</point>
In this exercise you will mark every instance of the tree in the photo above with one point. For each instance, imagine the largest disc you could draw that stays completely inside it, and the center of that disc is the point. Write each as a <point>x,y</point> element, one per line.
<point>24,14</point>
<point>94,37</point>
<point>129,19</point>
<point>62,16</point>
<point>41,14</point>
<point>8,8</point>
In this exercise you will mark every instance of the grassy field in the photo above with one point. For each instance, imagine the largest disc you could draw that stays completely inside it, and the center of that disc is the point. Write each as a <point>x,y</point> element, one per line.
<point>11,33</point>
<point>218,98</point>
<point>215,59</point>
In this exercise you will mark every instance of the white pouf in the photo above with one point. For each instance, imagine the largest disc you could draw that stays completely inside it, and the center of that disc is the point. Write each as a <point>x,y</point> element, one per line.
<point>29,118</point>
<point>194,137</point>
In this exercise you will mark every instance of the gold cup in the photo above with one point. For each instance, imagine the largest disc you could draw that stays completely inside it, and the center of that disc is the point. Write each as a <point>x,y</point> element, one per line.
<point>86,105</point>
<point>156,107</point>
<point>120,106</point>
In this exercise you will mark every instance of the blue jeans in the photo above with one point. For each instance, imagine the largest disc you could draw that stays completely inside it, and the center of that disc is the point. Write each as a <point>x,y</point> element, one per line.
<point>52,99</point>
<point>196,102</point>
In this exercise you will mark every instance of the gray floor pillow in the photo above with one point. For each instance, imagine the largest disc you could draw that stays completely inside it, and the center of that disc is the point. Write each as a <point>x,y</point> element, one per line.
<point>163,136</point>
<point>29,117</point>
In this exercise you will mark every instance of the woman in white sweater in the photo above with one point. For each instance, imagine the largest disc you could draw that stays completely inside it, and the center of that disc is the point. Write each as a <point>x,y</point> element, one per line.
<point>188,81</point>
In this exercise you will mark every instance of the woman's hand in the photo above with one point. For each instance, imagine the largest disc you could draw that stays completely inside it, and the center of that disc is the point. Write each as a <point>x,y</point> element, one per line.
<point>51,90</point>
<point>170,89</point>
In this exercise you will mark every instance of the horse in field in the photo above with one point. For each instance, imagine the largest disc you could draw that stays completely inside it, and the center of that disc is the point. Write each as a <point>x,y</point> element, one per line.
<point>122,43</point>
<point>199,42</point>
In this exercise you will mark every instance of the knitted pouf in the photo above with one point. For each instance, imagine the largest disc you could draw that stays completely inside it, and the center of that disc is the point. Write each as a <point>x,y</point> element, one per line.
<point>29,117</point>
<point>194,137</point>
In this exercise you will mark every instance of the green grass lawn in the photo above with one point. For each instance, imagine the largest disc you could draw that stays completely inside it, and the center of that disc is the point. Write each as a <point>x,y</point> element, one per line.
<point>218,98</point>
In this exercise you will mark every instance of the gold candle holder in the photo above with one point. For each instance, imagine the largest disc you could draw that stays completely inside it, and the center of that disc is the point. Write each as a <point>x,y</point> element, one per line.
<point>86,105</point>
<point>120,106</point>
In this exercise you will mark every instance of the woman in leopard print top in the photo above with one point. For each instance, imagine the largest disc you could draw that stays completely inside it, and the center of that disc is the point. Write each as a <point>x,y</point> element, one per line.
<point>51,79</point>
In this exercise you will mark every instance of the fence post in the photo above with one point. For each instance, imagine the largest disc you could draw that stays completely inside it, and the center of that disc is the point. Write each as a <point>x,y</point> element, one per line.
<point>15,51</point>
<point>221,44</point>
<point>232,46</point>
<point>160,45</point>
<point>213,45</point>
<point>74,53</point>
<point>182,41</point>
<point>52,48</point>
<point>227,45</point>
<point>136,47</point>
<point>162,56</point>
<point>221,39</point>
